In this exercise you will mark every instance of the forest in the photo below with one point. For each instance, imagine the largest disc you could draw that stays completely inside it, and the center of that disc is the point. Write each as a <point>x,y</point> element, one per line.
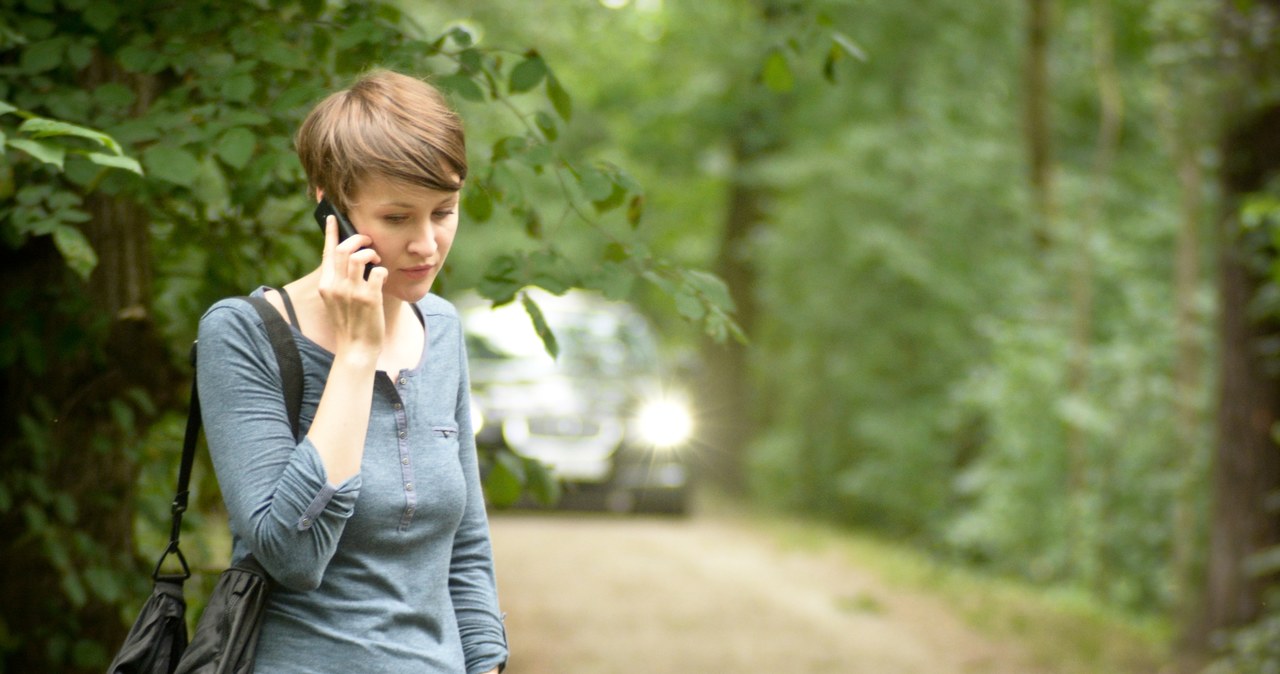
<point>997,279</point>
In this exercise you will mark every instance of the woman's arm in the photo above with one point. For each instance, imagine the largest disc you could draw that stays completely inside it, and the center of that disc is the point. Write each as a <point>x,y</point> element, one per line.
<point>354,309</point>
<point>278,499</point>
<point>289,501</point>
<point>472,583</point>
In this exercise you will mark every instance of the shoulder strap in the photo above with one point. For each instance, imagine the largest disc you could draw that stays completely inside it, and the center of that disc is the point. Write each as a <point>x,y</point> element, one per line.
<point>287,358</point>
<point>288,306</point>
<point>290,364</point>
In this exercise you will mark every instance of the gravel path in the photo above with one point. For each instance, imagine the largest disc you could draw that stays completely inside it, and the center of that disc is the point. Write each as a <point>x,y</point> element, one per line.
<point>629,595</point>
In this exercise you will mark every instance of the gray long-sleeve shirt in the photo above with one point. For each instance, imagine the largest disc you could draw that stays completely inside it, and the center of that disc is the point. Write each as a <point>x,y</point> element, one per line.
<point>390,571</point>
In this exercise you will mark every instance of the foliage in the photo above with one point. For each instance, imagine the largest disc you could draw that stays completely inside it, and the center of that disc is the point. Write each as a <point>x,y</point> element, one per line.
<point>917,340</point>
<point>1253,649</point>
<point>41,209</point>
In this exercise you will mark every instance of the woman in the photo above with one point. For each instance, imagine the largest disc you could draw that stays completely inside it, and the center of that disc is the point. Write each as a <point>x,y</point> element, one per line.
<point>373,525</point>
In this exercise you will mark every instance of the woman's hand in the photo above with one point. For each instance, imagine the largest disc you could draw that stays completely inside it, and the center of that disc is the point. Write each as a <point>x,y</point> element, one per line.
<point>353,304</point>
<point>354,309</point>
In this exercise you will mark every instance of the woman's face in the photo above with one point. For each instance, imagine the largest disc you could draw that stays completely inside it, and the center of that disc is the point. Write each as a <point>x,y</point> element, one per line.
<point>412,229</point>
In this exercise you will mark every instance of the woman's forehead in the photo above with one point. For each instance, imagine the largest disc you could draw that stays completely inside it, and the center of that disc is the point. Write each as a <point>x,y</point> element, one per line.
<point>376,190</point>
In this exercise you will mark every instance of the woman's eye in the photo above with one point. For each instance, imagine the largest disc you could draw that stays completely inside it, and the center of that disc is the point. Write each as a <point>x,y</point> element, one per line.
<point>440,215</point>
<point>396,219</point>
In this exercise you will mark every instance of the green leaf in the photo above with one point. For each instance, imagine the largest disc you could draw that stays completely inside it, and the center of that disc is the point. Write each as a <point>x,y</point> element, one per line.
<point>540,482</point>
<point>238,88</point>
<point>540,325</point>
<point>79,55</point>
<point>712,286</point>
<point>116,161</point>
<point>499,283</point>
<point>533,224</point>
<point>614,280</point>
<point>777,72</point>
<point>461,36</point>
<point>49,154</point>
<point>502,486</point>
<point>690,306</point>
<point>114,95</point>
<point>75,250</point>
<point>43,55</point>
<point>596,186</point>
<point>39,127</point>
<point>235,147</point>
<point>538,154</point>
<point>527,74</point>
<point>848,45</point>
<point>173,164</point>
<point>547,125</point>
<point>635,210</point>
<point>6,108</point>
<point>560,99</point>
<point>73,588</point>
<point>463,86</point>
<point>477,204</point>
<point>104,583</point>
<point>508,146</point>
<point>138,58</point>
<point>101,15</point>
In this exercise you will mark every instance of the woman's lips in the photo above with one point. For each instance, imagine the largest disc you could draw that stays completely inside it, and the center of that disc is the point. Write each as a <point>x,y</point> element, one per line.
<point>419,272</point>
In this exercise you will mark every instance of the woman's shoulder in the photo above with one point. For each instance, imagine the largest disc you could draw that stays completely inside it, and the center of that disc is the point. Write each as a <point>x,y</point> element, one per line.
<point>230,316</point>
<point>435,305</point>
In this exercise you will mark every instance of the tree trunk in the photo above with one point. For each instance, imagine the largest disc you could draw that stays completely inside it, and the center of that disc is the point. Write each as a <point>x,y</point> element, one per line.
<point>1081,283</point>
<point>729,404</point>
<point>99,350</point>
<point>1246,469</point>
<point>1036,125</point>
<point>1246,461</point>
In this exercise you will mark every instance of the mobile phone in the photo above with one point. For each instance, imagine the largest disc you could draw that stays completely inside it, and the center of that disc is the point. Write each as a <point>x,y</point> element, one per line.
<point>345,231</point>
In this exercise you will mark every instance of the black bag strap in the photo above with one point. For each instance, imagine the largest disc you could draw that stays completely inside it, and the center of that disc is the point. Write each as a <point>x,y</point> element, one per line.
<point>290,364</point>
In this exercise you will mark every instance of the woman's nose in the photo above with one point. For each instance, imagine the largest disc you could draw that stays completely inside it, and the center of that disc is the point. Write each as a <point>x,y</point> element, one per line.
<point>424,242</point>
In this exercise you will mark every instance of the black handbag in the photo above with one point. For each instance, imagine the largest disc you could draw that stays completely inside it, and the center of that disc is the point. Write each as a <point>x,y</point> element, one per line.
<point>226,635</point>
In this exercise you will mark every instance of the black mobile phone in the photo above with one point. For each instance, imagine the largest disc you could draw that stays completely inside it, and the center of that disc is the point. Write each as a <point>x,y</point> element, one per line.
<point>345,231</point>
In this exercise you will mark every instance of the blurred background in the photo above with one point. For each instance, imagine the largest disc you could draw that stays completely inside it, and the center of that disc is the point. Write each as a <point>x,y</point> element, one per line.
<point>974,303</point>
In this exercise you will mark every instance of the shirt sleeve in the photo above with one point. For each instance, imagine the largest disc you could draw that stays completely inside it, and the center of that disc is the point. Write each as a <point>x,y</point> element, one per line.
<point>472,582</point>
<point>277,494</point>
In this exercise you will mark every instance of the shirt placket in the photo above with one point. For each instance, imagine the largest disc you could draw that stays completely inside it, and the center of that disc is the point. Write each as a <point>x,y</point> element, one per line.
<point>402,444</point>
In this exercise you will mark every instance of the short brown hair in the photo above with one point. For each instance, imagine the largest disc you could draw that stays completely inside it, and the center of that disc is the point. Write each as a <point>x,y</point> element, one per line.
<point>386,124</point>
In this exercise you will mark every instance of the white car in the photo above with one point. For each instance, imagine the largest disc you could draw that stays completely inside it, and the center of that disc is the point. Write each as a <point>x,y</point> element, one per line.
<point>601,416</point>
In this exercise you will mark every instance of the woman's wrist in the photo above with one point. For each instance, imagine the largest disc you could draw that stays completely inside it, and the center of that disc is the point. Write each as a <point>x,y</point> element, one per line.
<point>358,357</point>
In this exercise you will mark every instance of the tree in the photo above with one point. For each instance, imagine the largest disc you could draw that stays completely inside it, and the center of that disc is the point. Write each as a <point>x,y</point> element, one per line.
<point>1246,463</point>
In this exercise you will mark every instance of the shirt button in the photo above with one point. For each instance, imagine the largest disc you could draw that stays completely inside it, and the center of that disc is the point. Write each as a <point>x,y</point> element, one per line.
<point>405,460</point>
<point>306,521</point>
<point>402,381</point>
<point>398,406</point>
<point>409,510</point>
<point>402,434</point>
<point>408,486</point>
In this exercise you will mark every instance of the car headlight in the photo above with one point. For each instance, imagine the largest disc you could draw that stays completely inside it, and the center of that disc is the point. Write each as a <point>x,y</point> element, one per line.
<point>664,423</point>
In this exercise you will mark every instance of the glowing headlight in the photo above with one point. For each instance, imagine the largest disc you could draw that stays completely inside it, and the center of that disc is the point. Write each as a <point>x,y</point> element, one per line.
<point>477,418</point>
<point>664,423</point>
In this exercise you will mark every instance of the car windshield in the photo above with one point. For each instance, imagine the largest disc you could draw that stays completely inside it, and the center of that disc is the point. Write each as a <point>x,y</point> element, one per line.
<point>604,340</point>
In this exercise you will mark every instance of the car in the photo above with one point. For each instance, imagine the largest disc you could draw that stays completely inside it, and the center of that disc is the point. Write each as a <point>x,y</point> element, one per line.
<point>603,416</point>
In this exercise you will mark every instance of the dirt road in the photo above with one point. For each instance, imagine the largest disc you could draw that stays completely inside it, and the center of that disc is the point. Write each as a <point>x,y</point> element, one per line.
<point>613,595</point>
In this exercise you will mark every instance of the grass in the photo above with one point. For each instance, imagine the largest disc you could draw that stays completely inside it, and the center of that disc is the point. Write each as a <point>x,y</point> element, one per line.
<point>1064,631</point>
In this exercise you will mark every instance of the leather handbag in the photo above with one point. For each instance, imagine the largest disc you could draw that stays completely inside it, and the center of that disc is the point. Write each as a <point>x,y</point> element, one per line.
<point>226,635</point>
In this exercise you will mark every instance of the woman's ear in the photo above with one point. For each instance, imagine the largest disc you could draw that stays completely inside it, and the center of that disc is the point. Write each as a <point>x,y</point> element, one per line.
<point>319,195</point>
